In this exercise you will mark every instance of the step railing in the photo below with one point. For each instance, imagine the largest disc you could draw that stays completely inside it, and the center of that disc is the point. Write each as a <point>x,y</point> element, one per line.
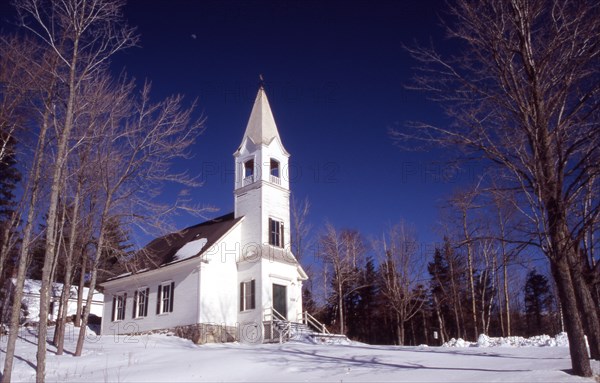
<point>277,322</point>
<point>311,321</point>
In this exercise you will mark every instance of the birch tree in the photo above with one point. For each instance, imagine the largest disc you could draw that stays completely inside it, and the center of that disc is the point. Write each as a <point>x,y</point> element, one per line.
<point>401,268</point>
<point>80,37</point>
<point>343,253</point>
<point>138,143</point>
<point>522,90</point>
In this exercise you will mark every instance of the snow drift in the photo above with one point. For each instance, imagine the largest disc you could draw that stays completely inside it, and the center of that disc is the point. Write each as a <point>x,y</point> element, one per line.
<point>560,340</point>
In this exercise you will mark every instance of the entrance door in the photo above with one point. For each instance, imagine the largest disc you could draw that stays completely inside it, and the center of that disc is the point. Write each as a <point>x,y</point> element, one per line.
<point>280,299</point>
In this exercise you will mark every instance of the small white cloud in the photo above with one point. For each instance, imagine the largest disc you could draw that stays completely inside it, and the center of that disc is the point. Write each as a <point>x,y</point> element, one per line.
<point>194,36</point>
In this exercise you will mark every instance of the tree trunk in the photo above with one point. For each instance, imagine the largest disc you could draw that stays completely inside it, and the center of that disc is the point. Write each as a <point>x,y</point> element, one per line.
<point>24,252</point>
<point>425,328</point>
<point>500,307</point>
<point>589,311</point>
<point>399,330</point>
<point>59,340</point>
<point>341,307</point>
<point>440,320</point>
<point>506,294</point>
<point>84,262</point>
<point>456,306</point>
<point>92,286</point>
<point>57,176</point>
<point>579,355</point>
<point>471,271</point>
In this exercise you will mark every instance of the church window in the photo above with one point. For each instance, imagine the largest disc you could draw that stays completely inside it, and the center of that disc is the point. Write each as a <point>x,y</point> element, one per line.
<point>248,168</point>
<point>274,168</point>
<point>118,308</point>
<point>140,302</point>
<point>165,298</point>
<point>247,295</point>
<point>276,233</point>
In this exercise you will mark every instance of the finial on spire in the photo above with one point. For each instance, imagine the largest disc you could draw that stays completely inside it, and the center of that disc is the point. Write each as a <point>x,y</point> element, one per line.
<point>261,82</point>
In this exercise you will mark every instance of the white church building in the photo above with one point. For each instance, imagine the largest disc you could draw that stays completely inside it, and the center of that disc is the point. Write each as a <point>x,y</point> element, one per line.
<point>228,278</point>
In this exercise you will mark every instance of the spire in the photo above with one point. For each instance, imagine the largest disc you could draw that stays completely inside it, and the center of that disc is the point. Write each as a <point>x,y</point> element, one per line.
<point>261,128</point>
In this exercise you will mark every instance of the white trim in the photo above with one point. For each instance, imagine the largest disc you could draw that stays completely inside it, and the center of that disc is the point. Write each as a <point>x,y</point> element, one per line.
<point>161,310</point>
<point>136,305</point>
<point>115,306</point>
<point>247,284</point>
<point>281,277</point>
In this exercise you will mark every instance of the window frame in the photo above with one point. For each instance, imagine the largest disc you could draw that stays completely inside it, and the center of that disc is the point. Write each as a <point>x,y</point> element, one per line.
<point>119,306</point>
<point>164,305</point>
<point>275,168</point>
<point>276,233</point>
<point>140,302</point>
<point>248,295</point>
<point>248,168</point>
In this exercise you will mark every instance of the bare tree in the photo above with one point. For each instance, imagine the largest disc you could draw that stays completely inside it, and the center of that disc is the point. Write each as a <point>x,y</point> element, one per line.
<point>300,226</point>
<point>137,146</point>
<point>505,212</point>
<point>465,202</point>
<point>343,253</point>
<point>82,35</point>
<point>30,206</point>
<point>401,269</point>
<point>523,92</point>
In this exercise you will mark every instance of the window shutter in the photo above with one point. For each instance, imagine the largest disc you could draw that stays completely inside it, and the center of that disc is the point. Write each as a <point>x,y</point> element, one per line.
<point>158,297</point>
<point>124,304</point>
<point>282,244</point>
<point>242,296</point>
<point>172,296</point>
<point>146,301</point>
<point>135,305</point>
<point>252,294</point>
<point>114,307</point>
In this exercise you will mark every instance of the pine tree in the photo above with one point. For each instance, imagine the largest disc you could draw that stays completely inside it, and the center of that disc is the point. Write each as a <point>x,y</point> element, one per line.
<point>440,296</point>
<point>9,179</point>
<point>308,302</point>
<point>118,253</point>
<point>367,306</point>
<point>538,303</point>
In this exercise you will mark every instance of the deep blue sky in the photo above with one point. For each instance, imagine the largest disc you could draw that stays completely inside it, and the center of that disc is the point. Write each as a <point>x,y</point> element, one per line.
<point>334,74</point>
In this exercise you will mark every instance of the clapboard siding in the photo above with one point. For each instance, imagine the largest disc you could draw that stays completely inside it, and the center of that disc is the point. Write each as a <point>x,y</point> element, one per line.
<point>185,276</point>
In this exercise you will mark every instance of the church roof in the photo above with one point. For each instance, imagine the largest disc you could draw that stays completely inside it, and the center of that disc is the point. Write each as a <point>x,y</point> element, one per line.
<point>261,128</point>
<point>188,243</point>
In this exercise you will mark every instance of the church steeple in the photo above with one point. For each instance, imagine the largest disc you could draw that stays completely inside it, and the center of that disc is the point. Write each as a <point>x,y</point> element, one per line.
<point>262,179</point>
<point>261,127</point>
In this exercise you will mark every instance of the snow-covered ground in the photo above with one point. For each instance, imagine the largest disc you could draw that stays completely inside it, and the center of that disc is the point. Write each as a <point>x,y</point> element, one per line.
<point>167,358</point>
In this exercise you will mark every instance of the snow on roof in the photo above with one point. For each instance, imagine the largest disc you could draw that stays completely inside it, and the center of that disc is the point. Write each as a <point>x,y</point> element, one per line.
<point>184,244</point>
<point>190,249</point>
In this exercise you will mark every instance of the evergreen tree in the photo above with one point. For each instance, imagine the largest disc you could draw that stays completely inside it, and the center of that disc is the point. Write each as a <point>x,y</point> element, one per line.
<point>9,179</point>
<point>118,254</point>
<point>538,303</point>
<point>308,302</point>
<point>361,304</point>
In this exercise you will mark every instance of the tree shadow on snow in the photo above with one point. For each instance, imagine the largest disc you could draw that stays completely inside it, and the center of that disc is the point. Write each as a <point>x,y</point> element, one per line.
<point>30,363</point>
<point>478,353</point>
<point>375,361</point>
